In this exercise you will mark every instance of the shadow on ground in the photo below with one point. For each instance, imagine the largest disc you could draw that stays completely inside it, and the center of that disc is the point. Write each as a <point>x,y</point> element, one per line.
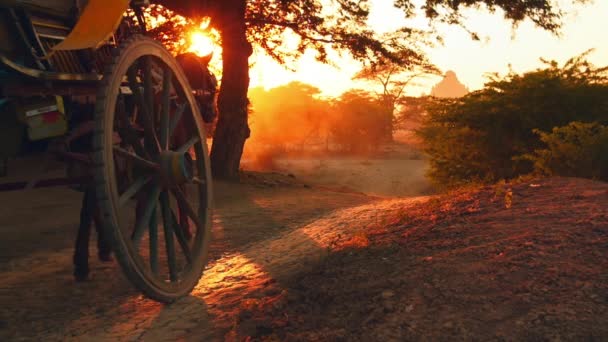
<point>249,261</point>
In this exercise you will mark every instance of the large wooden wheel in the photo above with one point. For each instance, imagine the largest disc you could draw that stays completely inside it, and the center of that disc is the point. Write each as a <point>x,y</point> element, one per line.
<point>152,170</point>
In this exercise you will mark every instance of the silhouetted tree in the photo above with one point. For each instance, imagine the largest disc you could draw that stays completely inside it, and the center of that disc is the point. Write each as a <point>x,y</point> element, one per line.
<point>393,79</point>
<point>168,28</point>
<point>339,24</point>
<point>412,111</point>
<point>290,114</point>
<point>357,124</point>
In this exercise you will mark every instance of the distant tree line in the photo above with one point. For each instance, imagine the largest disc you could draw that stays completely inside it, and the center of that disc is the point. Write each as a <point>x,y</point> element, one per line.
<point>295,117</point>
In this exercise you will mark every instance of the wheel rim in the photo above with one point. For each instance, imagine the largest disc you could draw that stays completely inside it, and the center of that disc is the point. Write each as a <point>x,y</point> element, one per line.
<point>156,176</point>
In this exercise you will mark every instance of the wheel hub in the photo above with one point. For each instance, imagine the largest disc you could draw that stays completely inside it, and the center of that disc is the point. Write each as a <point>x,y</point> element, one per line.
<point>176,168</point>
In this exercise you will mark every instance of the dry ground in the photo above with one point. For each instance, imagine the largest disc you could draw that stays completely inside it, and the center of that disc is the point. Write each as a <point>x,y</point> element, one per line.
<point>395,170</point>
<point>521,262</point>
<point>294,262</point>
<point>40,301</point>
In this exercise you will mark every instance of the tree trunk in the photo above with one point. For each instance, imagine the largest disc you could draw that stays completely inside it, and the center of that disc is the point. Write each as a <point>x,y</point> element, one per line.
<point>232,127</point>
<point>389,106</point>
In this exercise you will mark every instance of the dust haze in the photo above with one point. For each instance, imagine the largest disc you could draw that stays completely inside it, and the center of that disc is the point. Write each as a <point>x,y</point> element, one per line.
<point>342,143</point>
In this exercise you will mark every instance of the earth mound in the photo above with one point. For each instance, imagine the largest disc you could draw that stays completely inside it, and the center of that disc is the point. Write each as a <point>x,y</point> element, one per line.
<point>525,261</point>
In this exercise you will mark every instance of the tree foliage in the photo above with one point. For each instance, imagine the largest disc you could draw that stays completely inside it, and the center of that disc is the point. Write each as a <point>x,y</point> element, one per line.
<point>291,114</point>
<point>393,78</point>
<point>411,112</point>
<point>576,150</point>
<point>168,28</point>
<point>342,24</point>
<point>481,136</point>
<point>357,121</point>
<point>294,117</point>
<point>323,24</point>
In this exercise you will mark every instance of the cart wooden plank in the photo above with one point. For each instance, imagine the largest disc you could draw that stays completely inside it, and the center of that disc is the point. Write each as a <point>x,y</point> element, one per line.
<point>96,24</point>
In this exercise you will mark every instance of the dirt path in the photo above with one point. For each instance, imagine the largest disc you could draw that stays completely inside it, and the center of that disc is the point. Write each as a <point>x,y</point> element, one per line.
<point>523,262</point>
<point>40,301</point>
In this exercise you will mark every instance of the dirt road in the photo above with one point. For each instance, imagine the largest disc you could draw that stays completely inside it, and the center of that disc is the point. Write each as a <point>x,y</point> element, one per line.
<point>40,300</point>
<point>514,262</point>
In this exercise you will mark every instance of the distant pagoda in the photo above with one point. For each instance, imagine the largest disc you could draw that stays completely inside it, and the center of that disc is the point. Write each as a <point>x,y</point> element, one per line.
<point>450,86</point>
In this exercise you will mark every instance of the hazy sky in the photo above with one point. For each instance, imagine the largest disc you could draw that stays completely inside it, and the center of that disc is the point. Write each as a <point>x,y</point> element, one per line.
<point>585,27</point>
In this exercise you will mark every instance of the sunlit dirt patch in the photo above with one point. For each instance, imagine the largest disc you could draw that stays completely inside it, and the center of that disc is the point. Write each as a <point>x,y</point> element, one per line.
<point>353,227</point>
<point>357,241</point>
<point>246,292</point>
<point>239,289</point>
<point>235,289</point>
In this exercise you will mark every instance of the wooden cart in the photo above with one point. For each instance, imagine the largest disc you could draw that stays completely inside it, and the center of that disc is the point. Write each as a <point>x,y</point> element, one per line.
<point>148,155</point>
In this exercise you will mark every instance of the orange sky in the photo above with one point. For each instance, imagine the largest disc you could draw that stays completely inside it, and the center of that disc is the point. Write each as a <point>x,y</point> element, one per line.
<point>582,30</point>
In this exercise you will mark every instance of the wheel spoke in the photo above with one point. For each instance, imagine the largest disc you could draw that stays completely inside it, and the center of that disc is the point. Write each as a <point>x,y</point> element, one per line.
<point>145,110</point>
<point>136,159</point>
<point>186,147</point>
<point>184,205</point>
<point>129,135</point>
<point>126,130</point>
<point>168,229</point>
<point>176,117</point>
<point>144,220</point>
<point>181,239</point>
<point>148,90</point>
<point>154,241</point>
<point>164,114</point>
<point>133,189</point>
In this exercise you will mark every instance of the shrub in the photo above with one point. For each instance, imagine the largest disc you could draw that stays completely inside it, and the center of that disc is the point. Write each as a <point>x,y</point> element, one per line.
<point>577,150</point>
<point>481,136</point>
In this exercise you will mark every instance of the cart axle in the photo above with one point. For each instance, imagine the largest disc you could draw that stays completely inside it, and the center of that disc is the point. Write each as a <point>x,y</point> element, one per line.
<point>176,168</point>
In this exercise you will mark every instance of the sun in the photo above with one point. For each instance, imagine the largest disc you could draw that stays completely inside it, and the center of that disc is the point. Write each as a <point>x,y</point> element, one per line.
<point>202,41</point>
<point>201,44</point>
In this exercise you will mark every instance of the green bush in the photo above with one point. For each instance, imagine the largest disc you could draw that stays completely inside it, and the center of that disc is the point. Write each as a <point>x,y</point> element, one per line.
<point>577,150</point>
<point>481,136</point>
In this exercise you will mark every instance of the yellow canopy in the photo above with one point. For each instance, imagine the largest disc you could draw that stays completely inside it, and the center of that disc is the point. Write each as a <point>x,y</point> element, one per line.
<point>96,24</point>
